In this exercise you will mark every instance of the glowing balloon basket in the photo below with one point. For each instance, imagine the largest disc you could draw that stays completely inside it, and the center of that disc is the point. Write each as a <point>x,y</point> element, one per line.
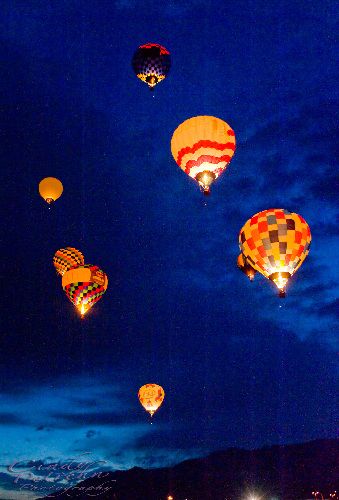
<point>202,147</point>
<point>151,397</point>
<point>275,243</point>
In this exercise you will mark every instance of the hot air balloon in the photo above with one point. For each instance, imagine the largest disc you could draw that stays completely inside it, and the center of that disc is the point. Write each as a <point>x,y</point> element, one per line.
<point>151,397</point>
<point>84,286</point>
<point>203,146</point>
<point>245,267</point>
<point>151,63</point>
<point>66,258</point>
<point>275,242</point>
<point>50,189</point>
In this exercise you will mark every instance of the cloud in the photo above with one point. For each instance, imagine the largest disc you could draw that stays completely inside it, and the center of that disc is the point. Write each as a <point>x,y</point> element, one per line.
<point>326,188</point>
<point>68,420</point>
<point>91,433</point>
<point>9,418</point>
<point>61,435</point>
<point>71,397</point>
<point>330,309</point>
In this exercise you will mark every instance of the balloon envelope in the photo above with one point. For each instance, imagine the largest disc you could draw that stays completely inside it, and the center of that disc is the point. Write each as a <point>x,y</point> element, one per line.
<point>84,286</point>
<point>66,258</point>
<point>202,147</point>
<point>151,397</point>
<point>275,242</point>
<point>50,189</point>
<point>245,267</point>
<point>151,63</point>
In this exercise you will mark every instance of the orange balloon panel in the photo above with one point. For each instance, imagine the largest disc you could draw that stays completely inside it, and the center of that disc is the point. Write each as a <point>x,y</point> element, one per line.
<point>151,397</point>
<point>50,189</point>
<point>275,242</point>
<point>203,146</point>
<point>240,261</point>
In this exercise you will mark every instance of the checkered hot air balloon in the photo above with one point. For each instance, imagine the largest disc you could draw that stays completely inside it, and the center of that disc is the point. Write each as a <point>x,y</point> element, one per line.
<point>84,286</point>
<point>203,146</point>
<point>151,63</point>
<point>151,397</point>
<point>275,242</point>
<point>245,267</point>
<point>66,258</point>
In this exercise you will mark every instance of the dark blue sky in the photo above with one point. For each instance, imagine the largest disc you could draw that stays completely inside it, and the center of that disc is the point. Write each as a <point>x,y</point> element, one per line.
<point>239,366</point>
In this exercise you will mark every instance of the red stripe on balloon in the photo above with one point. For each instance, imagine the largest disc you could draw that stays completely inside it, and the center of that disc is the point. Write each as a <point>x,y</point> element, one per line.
<point>218,171</point>
<point>204,143</point>
<point>205,158</point>
<point>163,50</point>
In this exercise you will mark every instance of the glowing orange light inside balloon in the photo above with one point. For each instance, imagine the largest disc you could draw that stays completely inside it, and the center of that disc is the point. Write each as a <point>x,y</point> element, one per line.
<point>50,189</point>
<point>151,397</point>
<point>280,281</point>
<point>83,310</point>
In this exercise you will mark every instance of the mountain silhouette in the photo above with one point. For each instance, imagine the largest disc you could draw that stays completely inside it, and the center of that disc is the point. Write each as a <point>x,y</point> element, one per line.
<point>288,472</point>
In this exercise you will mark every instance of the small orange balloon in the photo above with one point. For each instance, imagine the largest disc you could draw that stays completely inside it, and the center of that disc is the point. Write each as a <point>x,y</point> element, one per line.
<point>50,189</point>
<point>151,397</point>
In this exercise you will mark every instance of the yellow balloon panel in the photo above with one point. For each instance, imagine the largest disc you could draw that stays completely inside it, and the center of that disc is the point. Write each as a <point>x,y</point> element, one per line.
<point>275,241</point>
<point>50,189</point>
<point>203,144</point>
<point>151,397</point>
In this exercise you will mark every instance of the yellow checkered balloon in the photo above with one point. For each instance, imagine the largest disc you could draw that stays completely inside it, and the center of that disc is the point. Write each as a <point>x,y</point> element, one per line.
<point>275,242</point>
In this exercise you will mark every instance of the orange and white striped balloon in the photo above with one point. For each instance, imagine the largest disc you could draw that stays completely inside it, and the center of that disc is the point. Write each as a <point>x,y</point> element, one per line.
<point>203,146</point>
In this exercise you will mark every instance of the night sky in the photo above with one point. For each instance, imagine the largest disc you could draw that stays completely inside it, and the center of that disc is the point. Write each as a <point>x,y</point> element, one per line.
<point>239,366</point>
